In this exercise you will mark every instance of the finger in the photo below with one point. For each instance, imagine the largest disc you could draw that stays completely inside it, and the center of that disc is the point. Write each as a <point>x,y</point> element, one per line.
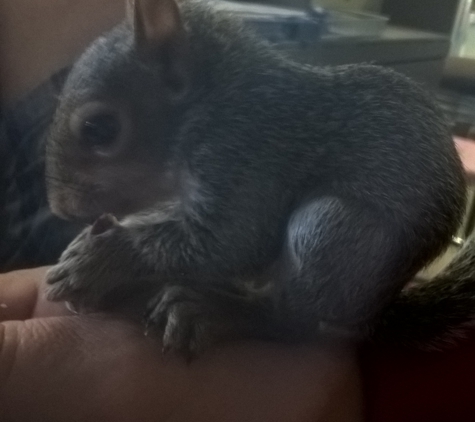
<point>97,369</point>
<point>85,369</point>
<point>21,297</point>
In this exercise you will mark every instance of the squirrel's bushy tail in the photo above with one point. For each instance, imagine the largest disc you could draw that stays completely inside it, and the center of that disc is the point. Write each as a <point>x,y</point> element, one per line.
<point>434,314</point>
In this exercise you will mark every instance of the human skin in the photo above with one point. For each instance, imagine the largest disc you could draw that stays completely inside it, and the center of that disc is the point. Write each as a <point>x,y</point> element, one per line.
<point>59,366</point>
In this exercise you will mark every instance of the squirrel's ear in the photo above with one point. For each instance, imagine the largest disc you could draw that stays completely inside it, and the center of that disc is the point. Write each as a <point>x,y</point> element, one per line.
<point>155,22</point>
<point>159,31</point>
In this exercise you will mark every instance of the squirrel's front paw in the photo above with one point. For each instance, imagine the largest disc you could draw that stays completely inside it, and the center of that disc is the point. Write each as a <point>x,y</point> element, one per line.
<point>92,265</point>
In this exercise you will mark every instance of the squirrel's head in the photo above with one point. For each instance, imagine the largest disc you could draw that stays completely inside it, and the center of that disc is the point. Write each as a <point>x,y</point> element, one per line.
<point>110,147</point>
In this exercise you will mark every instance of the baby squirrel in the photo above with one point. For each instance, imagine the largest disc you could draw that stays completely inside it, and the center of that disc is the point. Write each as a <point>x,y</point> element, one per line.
<point>256,197</point>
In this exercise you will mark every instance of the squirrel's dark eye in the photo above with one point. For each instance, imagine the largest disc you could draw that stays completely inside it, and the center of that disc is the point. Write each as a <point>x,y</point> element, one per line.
<point>100,130</point>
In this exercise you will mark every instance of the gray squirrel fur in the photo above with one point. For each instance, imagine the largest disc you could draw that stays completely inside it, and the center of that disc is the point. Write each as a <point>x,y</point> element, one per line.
<point>255,197</point>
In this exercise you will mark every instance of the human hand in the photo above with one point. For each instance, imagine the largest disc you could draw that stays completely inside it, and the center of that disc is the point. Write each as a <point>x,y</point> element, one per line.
<point>55,366</point>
